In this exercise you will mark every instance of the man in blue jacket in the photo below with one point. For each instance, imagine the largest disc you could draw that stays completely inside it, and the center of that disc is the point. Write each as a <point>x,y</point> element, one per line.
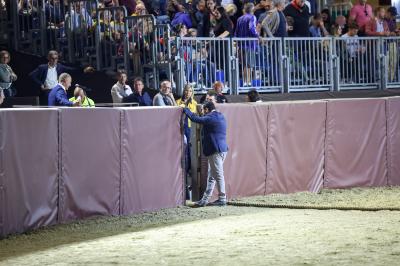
<point>58,94</point>
<point>215,149</point>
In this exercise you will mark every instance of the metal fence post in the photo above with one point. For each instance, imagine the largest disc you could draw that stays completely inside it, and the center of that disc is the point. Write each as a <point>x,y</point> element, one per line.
<point>285,63</point>
<point>335,66</point>
<point>382,62</point>
<point>230,68</point>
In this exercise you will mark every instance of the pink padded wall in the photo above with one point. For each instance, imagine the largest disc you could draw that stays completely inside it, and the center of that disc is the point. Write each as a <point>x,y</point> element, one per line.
<point>393,135</point>
<point>152,147</point>
<point>90,178</point>
<point>245,167</point>
<point>296,135</point>
<point>28,169</point>
<point>355,143</point>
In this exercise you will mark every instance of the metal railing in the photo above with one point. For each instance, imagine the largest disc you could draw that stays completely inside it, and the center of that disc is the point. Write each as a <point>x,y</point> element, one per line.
<point>111,40</point>
<point>258,63</point>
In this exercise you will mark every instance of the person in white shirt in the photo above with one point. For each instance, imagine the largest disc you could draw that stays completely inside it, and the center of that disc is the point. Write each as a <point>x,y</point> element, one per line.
<point>120,89</point>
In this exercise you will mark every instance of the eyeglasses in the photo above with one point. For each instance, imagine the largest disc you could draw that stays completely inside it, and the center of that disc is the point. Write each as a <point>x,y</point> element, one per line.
<point>54,58</point>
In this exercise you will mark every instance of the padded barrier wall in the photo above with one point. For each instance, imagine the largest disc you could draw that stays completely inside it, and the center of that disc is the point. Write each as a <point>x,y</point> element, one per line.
<point>245,165</point>
<point>150,150</point>
<point>355,143</point>
<point>90,158</point>
<point>296,136</point>
<point>145,147</point>
<point>28,169</point>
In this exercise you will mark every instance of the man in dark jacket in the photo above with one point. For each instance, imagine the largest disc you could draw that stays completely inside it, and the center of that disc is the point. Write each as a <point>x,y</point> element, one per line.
<point>301,16</point>
<point>138,96</point>
<point>215,148</point>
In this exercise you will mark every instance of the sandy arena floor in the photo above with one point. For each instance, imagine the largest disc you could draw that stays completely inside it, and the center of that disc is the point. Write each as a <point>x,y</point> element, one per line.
<point>224,236</point>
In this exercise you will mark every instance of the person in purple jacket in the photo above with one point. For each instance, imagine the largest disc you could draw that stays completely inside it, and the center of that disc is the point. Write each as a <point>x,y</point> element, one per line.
<point>246,28</point>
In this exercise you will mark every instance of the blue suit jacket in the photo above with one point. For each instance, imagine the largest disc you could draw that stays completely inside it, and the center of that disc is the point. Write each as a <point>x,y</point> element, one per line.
<point>58,97</point>
<point>213,132</point>
<point>40,73</point>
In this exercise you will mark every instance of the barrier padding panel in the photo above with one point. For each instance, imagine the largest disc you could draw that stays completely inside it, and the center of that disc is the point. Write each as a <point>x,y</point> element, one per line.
<point>152,149</point>
<point>393,135</point>
<point>355,143</point>
<point>245,166</point>
<point>90,159</point>
<point>296,135</point>
<point>28,169</point>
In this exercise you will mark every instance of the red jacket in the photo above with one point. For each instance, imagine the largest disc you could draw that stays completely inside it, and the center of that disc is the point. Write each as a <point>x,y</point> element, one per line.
<point>370,28</point>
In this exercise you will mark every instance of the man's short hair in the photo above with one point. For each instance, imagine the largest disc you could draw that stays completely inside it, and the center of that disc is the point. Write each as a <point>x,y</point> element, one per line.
<point>379,8</point>
<point>138,79</point>
<point>353,26</point>
<point>63,77</point>
<point>209,105</point>
<point>164,81</point>
<point>52,53</point>
<point>253,96</point>
<point>4,52</point>
<point>248,8</point>
<point>120,73</point>
<point>218,84</point>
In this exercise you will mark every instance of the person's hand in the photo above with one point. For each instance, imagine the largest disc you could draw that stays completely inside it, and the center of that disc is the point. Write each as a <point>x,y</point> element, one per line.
<point>76,104</point>
<point>89,69</point>
<point>321,24</point>
<point>182,105</point>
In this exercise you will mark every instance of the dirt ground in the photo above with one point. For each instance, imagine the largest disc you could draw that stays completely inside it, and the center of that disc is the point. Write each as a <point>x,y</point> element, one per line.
<point>225,235</point>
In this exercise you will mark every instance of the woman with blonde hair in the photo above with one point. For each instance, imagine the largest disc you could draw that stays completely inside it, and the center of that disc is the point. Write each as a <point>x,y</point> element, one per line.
<point>188,101</point>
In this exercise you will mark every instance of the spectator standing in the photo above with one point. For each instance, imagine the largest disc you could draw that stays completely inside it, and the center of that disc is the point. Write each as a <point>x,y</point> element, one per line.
<point>300,14</point>
<point>224,26</point>
<point>377,26</point>
<point>340,27</point>
<point>58,94</point>
<point>361,13</point>
<point>209,21</point>
<point>231,10</point>
<point>130,5</point>
<point>326,18</point>
<point>7,76</point>
<point>138,96</point>
<point>352,66</point>
<point>393,60</point>
<point>120,89</point>
<point>246,28</point>
<point>215,149</point>
<point>274,23</point>
<point>45,76</point>
<point>197,16</point>
<point>317,28</point>
<point>261,9</point>
<point>165,96</point>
